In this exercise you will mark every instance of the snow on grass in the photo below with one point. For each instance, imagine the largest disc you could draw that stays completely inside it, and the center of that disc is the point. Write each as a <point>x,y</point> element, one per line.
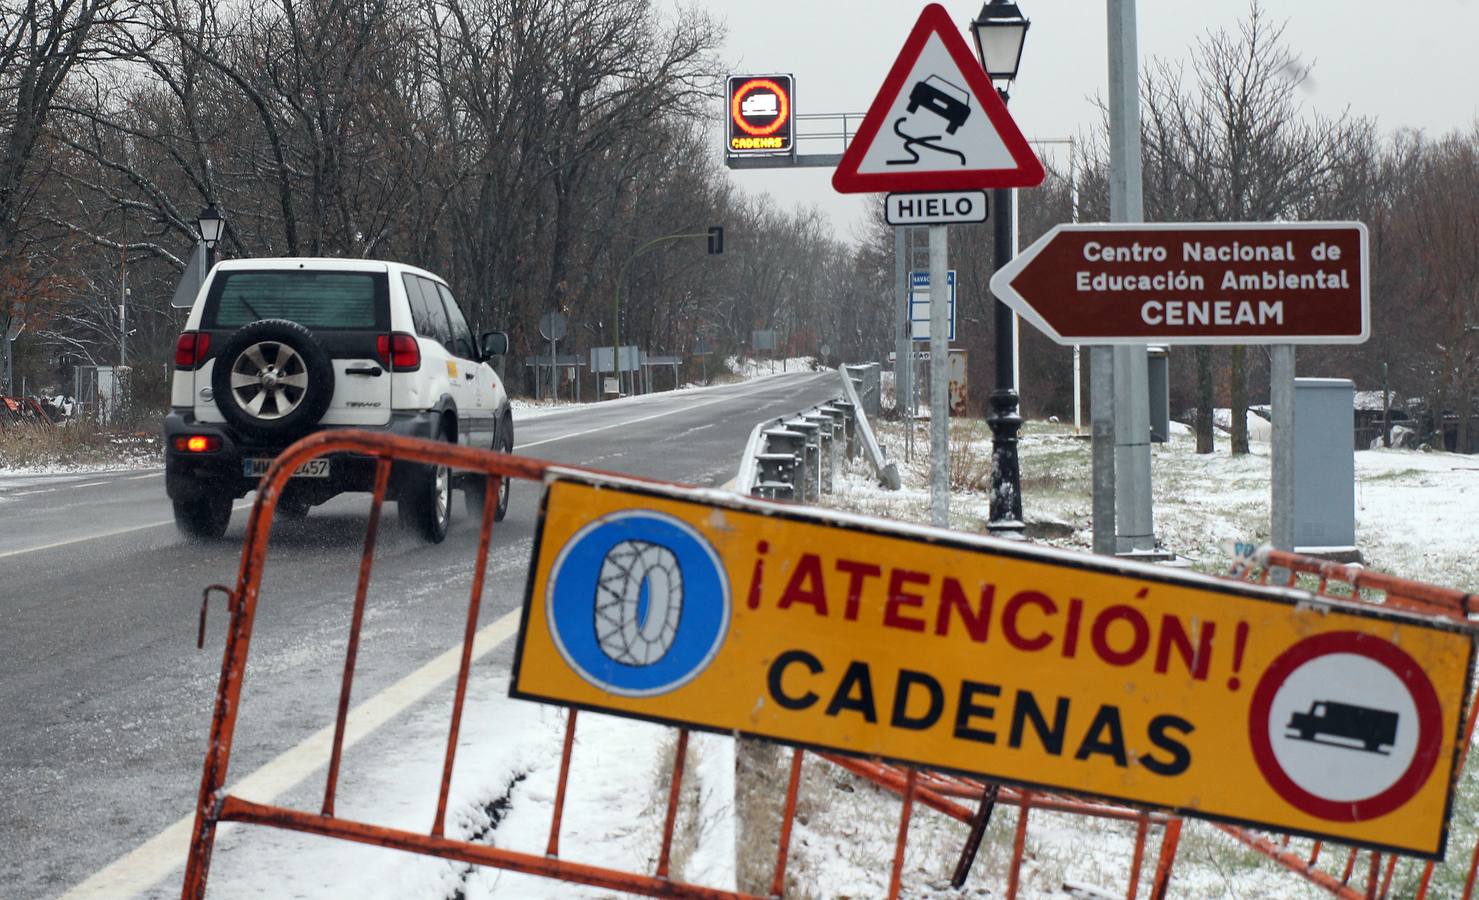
<point>78,447</point>
<point>738,372</point>
<point>502,795</point>
<point>749,369</point>
<point>1414,518</point>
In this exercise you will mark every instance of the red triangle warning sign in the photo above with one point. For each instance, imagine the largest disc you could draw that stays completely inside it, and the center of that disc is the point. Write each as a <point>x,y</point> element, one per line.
<point>937,124</point>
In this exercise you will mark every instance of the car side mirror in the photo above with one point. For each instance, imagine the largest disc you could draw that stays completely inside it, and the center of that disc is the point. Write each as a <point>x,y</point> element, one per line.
<point>493,343</point>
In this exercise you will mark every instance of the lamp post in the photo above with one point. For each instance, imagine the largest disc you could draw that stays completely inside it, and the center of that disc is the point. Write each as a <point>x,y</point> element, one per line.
<point>212,225</point>
<point>1000,31</point>
<point>715,237</point>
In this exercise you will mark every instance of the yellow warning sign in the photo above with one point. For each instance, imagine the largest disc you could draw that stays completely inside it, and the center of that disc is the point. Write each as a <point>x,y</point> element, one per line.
<point>1210,697</point>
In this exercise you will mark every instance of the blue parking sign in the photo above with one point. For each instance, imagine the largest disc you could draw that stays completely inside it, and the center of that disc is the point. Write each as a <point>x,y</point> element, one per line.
<point>919,305</point>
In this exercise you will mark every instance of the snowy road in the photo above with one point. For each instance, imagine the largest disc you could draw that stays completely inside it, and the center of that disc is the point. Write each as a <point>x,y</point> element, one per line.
<point>104,700</point>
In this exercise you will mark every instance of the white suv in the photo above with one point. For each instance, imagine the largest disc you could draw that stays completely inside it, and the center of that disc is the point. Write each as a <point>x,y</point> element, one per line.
<point>276,348</point>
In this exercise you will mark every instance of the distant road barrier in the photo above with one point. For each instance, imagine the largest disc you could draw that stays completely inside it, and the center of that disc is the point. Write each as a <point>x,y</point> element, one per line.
<point>796,457</point>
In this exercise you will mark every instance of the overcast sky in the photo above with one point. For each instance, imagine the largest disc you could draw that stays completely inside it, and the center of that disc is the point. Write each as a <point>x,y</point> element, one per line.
<point>1409,65</point>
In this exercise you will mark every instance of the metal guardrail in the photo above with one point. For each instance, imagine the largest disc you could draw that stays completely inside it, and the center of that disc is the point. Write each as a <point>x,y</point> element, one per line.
<point>888,473</point>
<point>796,457</point>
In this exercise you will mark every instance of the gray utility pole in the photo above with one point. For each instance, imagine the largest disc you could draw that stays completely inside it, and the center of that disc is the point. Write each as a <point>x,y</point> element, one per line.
<point>123,323</point>
<point>9,367</point>
<point>939,379</point>
<point>1133,518</point>
<point>1281,493</point>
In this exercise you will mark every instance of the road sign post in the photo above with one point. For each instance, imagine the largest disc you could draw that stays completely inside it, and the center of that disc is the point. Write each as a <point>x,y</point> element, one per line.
<point>1217,699</point>
<point>552,328</point>
<point>939,382</point>
<point>937,125</point>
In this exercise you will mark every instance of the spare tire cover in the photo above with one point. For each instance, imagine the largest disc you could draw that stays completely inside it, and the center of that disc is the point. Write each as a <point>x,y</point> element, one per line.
<point>273,379</point>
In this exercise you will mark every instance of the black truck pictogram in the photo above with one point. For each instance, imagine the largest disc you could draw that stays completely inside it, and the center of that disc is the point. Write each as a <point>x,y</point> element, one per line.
<point>1351,724</point>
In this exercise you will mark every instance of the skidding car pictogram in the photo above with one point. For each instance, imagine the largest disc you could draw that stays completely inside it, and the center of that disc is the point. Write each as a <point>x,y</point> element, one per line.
<point>942,98</point>
<point>1350,724</point>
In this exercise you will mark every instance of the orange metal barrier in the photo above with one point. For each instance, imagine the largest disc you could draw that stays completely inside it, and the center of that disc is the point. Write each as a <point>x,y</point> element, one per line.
<point>1333,873</point>
<point>969,801</point>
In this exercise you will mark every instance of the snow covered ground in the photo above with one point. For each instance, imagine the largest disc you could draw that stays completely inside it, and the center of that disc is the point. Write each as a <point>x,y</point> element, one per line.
<point>502,794</point>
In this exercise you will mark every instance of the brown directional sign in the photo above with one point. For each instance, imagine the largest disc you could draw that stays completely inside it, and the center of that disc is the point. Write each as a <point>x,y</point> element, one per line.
<point>1194,283</point>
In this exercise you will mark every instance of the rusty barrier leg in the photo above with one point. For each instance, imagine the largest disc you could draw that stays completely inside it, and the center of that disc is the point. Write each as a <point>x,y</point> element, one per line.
<point>906,810</point>
<point>675,790</point>
<point>1170,841</point>
<point>474,603</point>
<point>1019,843</point>
<point>1137,858</point>
<point>351,653</point>
<point>553,848</point>
<point>788,818</point>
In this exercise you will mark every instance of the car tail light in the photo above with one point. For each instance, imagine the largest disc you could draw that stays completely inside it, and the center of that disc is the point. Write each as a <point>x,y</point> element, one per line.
<point>197,443</point>
<point>399,351</point>
<point>190,349</point>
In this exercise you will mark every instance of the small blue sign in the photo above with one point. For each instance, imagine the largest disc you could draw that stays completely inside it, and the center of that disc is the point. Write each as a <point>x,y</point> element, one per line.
<point>638,603</point>
<point>919,305</point>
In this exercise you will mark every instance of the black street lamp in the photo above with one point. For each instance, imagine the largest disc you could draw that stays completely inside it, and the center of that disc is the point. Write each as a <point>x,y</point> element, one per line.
<point>1000,32</point>
<point>212,226</point>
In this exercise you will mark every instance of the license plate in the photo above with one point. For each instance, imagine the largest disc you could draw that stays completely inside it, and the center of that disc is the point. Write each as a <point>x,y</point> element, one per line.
<point>256,467</point>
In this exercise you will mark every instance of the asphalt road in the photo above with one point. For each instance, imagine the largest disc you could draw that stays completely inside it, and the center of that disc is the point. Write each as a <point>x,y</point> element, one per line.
<point>104,699</point>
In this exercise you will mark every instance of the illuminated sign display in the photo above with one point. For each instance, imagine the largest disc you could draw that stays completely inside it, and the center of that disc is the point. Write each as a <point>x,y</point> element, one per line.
<point>760,115</point>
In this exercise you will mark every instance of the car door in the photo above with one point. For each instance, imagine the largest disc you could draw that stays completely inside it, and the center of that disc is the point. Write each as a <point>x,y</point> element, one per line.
<point>474,374</point>
<point>440,371</point>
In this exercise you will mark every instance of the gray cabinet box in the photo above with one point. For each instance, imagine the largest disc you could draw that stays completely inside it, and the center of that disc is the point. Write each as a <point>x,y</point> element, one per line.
<point>1324,466</point>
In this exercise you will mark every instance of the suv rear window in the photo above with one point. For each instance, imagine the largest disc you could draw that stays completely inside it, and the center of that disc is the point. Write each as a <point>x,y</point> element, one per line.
<point>328,300</point>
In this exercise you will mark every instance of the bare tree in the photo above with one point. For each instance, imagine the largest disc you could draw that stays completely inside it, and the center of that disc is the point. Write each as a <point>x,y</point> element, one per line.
<point>1230,141</point>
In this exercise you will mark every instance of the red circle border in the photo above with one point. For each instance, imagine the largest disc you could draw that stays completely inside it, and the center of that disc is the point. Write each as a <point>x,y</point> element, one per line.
<point>1400,664</point>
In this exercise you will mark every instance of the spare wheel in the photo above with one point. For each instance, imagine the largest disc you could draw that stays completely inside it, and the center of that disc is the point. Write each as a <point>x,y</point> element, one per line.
<point>273,379</point>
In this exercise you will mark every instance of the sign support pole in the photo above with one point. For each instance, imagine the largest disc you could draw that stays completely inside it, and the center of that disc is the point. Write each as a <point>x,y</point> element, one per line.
<point>1101,424</point>
<point>903,336</point>
<point>1134,520</point>
<point>939,379</point>
<point>1281,396</point>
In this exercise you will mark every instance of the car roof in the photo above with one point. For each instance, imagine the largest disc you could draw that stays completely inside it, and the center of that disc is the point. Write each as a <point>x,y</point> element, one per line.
<point>320,263</point>
<point>953,90</point>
